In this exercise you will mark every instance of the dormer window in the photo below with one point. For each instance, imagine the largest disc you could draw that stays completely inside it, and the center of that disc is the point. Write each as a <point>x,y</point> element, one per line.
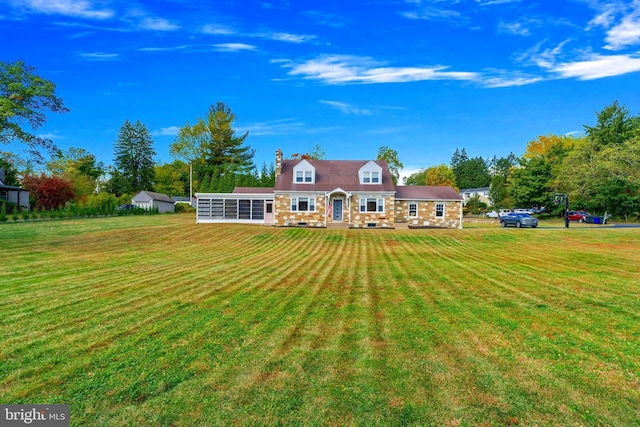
<point>370,173</point>
<point>304,173</point>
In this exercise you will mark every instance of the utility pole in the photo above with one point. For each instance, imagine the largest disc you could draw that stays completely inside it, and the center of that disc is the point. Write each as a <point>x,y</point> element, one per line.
<point>564,199</point>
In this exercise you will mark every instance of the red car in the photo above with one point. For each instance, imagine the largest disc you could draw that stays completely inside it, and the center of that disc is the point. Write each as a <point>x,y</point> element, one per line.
<point>579,216</point>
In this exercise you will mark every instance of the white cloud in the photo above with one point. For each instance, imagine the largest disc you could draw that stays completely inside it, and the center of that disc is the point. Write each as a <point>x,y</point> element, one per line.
<point>290,38</point>
<point>157,24</point>
<point>233,47</point>
<point>347,108</point>
<point>345,69</point>
<point>598,66</point>
<point>217,29</point>
<point>169,131</point>
<point>492,2</point>
<point>627,33</point>
<point>78,8</point>
<point>276,127</point>
<point>516,28</point>
<point>100,56</point>
<point>50,135</point>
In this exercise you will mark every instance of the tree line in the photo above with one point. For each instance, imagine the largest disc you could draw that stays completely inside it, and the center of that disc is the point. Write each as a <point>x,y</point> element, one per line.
<point>599,170</point>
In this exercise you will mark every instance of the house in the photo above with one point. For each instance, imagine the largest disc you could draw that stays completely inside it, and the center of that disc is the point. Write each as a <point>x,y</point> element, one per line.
<point>149,200</point>
<point>320,193</point>
<point>469,193</point>
<point>12,194</point>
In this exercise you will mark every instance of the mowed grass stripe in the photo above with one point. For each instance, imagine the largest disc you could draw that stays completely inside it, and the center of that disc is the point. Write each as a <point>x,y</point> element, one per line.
<point>352,327</point>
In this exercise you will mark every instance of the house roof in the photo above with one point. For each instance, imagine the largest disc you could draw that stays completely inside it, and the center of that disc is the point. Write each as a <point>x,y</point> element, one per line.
<point>333,174</point>
<point>152,196</point>
<point>426,192</point>
<point>253,190</point>
<point>474,190</point>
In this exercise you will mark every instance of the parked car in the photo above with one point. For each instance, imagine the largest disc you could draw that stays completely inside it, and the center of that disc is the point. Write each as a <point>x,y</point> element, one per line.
<point>519,220</point>
<point>503,213</point>
<point>524,211</point>
<point>126,207</point>
<point>579,216</point>
<point>493,215</point>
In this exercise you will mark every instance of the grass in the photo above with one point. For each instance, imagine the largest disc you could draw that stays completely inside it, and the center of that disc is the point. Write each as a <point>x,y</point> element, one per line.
<point>159,321</point>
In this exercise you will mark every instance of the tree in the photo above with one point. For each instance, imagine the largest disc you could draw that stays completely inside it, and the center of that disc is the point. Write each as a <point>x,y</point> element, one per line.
<point>417,178</point>
<point>316,153</point>
<point>23,97</point>
<point>470,173</point>
<point>440,175</point>
<point>212,146</point>
<point>10,172</point>
<point>172,178</point>
<point>49,192</point>
<point>78,166</point>
<point>134,156</point>
<point>529,184</point>
<point>390,156</point>
<point>614,126</point>
<point>498,189</point>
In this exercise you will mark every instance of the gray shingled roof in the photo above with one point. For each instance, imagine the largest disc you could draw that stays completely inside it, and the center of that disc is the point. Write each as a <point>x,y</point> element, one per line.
<point>332,174</point>
<point>253,190</point>
<point>154,196</point>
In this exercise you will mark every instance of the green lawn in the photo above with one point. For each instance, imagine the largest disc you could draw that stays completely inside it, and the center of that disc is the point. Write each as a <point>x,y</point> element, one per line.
<point>155,320</point>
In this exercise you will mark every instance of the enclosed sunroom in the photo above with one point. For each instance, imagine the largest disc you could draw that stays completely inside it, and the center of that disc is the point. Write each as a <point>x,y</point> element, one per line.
<point>245,205</point>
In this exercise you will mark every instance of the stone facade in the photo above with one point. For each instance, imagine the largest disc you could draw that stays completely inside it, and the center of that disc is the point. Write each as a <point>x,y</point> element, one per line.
<point>426,214</point>
<point>372,219</point>
<point>284,217</point>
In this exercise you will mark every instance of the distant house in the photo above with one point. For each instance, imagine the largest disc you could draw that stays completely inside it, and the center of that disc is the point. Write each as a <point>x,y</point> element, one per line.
<point>12,194</point>
<point>149,200</point>
<point>469,193</point>
<point>320,193</point>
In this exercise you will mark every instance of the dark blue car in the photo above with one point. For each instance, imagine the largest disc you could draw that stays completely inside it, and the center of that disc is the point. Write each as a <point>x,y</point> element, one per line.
<point>519,220</point>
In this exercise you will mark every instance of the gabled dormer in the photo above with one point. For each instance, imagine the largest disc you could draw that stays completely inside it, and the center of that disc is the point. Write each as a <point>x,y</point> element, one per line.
<point>371,173</point>
<point>304,173</point>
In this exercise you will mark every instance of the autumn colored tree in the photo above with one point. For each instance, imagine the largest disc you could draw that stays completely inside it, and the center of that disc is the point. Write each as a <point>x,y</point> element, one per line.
<point>440,175</point>
<point>49,192</point>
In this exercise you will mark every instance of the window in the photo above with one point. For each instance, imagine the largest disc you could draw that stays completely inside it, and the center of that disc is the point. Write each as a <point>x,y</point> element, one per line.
<point>299,176</point>
<point>371,205</point>
<point>308,176</point>
<point>439,210</point>
<point>4,195</point>
<point>370,177</point>
<point>413,210</point>
<point>303,204</point>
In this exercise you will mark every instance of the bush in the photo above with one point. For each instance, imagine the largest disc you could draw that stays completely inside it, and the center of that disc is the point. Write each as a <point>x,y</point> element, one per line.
<point>184,208</point>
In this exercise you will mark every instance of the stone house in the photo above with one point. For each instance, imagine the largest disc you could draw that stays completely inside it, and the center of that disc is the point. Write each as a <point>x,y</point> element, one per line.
<point>320,193</point>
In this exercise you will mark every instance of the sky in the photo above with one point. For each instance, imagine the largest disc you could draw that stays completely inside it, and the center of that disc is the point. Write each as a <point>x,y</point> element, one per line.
<point>423,77</point>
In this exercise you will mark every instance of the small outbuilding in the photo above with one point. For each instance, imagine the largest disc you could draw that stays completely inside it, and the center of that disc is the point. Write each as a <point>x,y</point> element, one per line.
<point>149,200</point>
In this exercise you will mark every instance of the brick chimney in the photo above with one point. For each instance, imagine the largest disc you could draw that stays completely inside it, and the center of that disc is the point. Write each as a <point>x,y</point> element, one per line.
<point>278,162</point>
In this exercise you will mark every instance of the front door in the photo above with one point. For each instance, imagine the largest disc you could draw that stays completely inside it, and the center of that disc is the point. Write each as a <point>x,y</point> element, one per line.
<point>337,209</point>
<point>268,212</point>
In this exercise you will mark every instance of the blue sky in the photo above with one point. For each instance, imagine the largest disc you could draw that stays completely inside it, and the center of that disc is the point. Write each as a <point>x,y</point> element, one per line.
<point>422,76</point>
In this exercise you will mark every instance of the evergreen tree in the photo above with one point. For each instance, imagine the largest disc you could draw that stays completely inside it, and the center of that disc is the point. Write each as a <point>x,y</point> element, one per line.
<point>134,156</point>
<point>212,143</point>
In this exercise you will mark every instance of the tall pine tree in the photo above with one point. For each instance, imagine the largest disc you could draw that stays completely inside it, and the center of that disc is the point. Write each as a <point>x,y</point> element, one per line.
<point>134,156</point>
